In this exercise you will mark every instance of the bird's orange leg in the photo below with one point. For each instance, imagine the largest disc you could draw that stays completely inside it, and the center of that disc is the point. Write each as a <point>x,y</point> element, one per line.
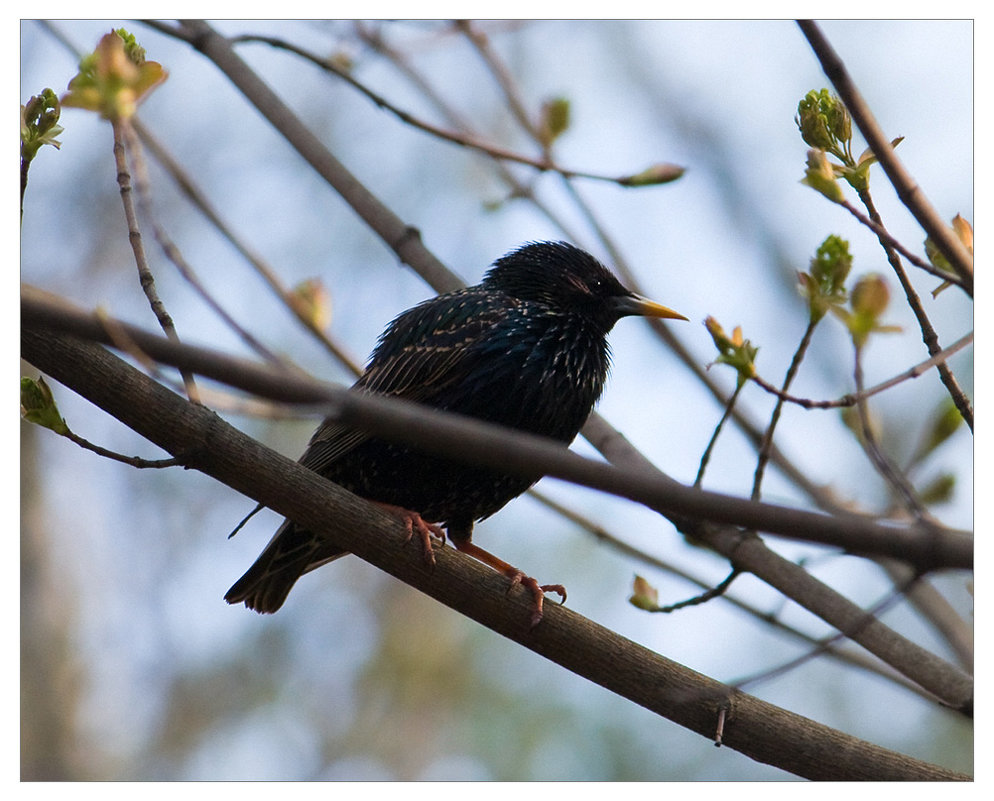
<point>517,577</point>
<point>415,523</point>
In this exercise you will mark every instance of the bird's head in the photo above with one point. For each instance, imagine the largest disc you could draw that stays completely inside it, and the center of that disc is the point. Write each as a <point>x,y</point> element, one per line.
<point>568,279</point>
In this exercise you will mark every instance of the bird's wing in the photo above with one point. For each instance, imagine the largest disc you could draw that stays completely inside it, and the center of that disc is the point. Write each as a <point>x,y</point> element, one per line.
<point>430,347</point>
<point>423,352</point>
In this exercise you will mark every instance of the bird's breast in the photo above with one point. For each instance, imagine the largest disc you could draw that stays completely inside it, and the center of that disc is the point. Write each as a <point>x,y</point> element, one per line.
<point>539,375</point>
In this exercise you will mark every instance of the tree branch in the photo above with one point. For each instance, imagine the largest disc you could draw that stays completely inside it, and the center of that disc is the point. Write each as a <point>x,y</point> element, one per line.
<point>475,442</point>
<point>926,547</point>
<point>757,729</point>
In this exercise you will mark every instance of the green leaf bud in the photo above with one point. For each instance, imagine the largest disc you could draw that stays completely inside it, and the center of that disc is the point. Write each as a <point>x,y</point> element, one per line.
<point>825,124</point>
<point>661,173</point>
<point>554,119</point>
<point>39,407</point>
<point>868,300</point>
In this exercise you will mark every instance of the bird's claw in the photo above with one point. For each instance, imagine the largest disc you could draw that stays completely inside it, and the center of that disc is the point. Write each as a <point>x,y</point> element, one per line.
<point>538,592</point>
<point>413,522</point>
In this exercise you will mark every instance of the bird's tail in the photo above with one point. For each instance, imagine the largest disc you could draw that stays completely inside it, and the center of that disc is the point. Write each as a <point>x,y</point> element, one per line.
<point>290,553</point>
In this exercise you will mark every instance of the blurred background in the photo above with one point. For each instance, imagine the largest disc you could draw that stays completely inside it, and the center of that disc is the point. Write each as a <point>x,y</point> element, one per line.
<point>132,665</point>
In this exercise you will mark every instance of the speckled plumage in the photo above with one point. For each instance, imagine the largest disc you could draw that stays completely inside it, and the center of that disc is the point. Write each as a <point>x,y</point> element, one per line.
<point>526,348</point>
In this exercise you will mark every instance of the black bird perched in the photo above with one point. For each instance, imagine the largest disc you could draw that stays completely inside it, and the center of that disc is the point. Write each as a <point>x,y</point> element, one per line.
<point>526,348</point>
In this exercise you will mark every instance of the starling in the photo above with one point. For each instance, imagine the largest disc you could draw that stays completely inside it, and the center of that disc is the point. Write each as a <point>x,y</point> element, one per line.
<point>526,348</point>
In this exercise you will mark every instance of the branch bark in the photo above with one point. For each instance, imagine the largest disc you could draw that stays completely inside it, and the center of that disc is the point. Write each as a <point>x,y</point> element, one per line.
<point>206,443</point>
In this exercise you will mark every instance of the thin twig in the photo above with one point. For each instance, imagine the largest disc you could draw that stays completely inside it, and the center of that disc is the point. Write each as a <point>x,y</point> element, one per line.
<point>133,461</point>
<point>200,200</point>
<point>706,456</point>
<point>929,336</point>
<point>852,398</point>
<point>767,443</point>
<point>172,252</point>
<point>887,469</point>
<point>502,75</point>
<point>717,591</point>
<point>145,277</point>
<point>888,239</point>
<point>462,139</point>
<point>825,644</point>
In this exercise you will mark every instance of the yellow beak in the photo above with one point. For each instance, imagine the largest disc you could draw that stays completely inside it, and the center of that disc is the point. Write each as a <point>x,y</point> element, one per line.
<point>628,305</point>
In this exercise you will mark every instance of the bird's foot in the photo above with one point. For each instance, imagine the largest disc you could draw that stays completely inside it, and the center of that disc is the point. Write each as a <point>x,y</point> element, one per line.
<point>414,523</point>
<point>538,592</point>
<point>517,577</point>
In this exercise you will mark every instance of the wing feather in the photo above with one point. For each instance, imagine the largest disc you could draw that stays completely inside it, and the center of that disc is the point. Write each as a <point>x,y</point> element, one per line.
<point>422,353</point>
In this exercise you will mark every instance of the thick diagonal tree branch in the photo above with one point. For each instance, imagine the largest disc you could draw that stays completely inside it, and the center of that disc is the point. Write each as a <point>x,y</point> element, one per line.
<point>476,442</point>
<point>926,548</point>
<point>206,443</point>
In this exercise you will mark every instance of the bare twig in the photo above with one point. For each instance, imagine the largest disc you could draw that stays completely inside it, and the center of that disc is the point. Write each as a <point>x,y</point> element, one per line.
<point>887,469</point>
<point>767,443</point>
<point>823,645</point>
<point>196,196</point>
<point>929,336</point>
<point>706,456</point>
<point>851,399</point>
<point>132,461</point>
<point>545,164</point>
<point>145,277</point>
<point>885,237</point>
<point>172,252</point>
